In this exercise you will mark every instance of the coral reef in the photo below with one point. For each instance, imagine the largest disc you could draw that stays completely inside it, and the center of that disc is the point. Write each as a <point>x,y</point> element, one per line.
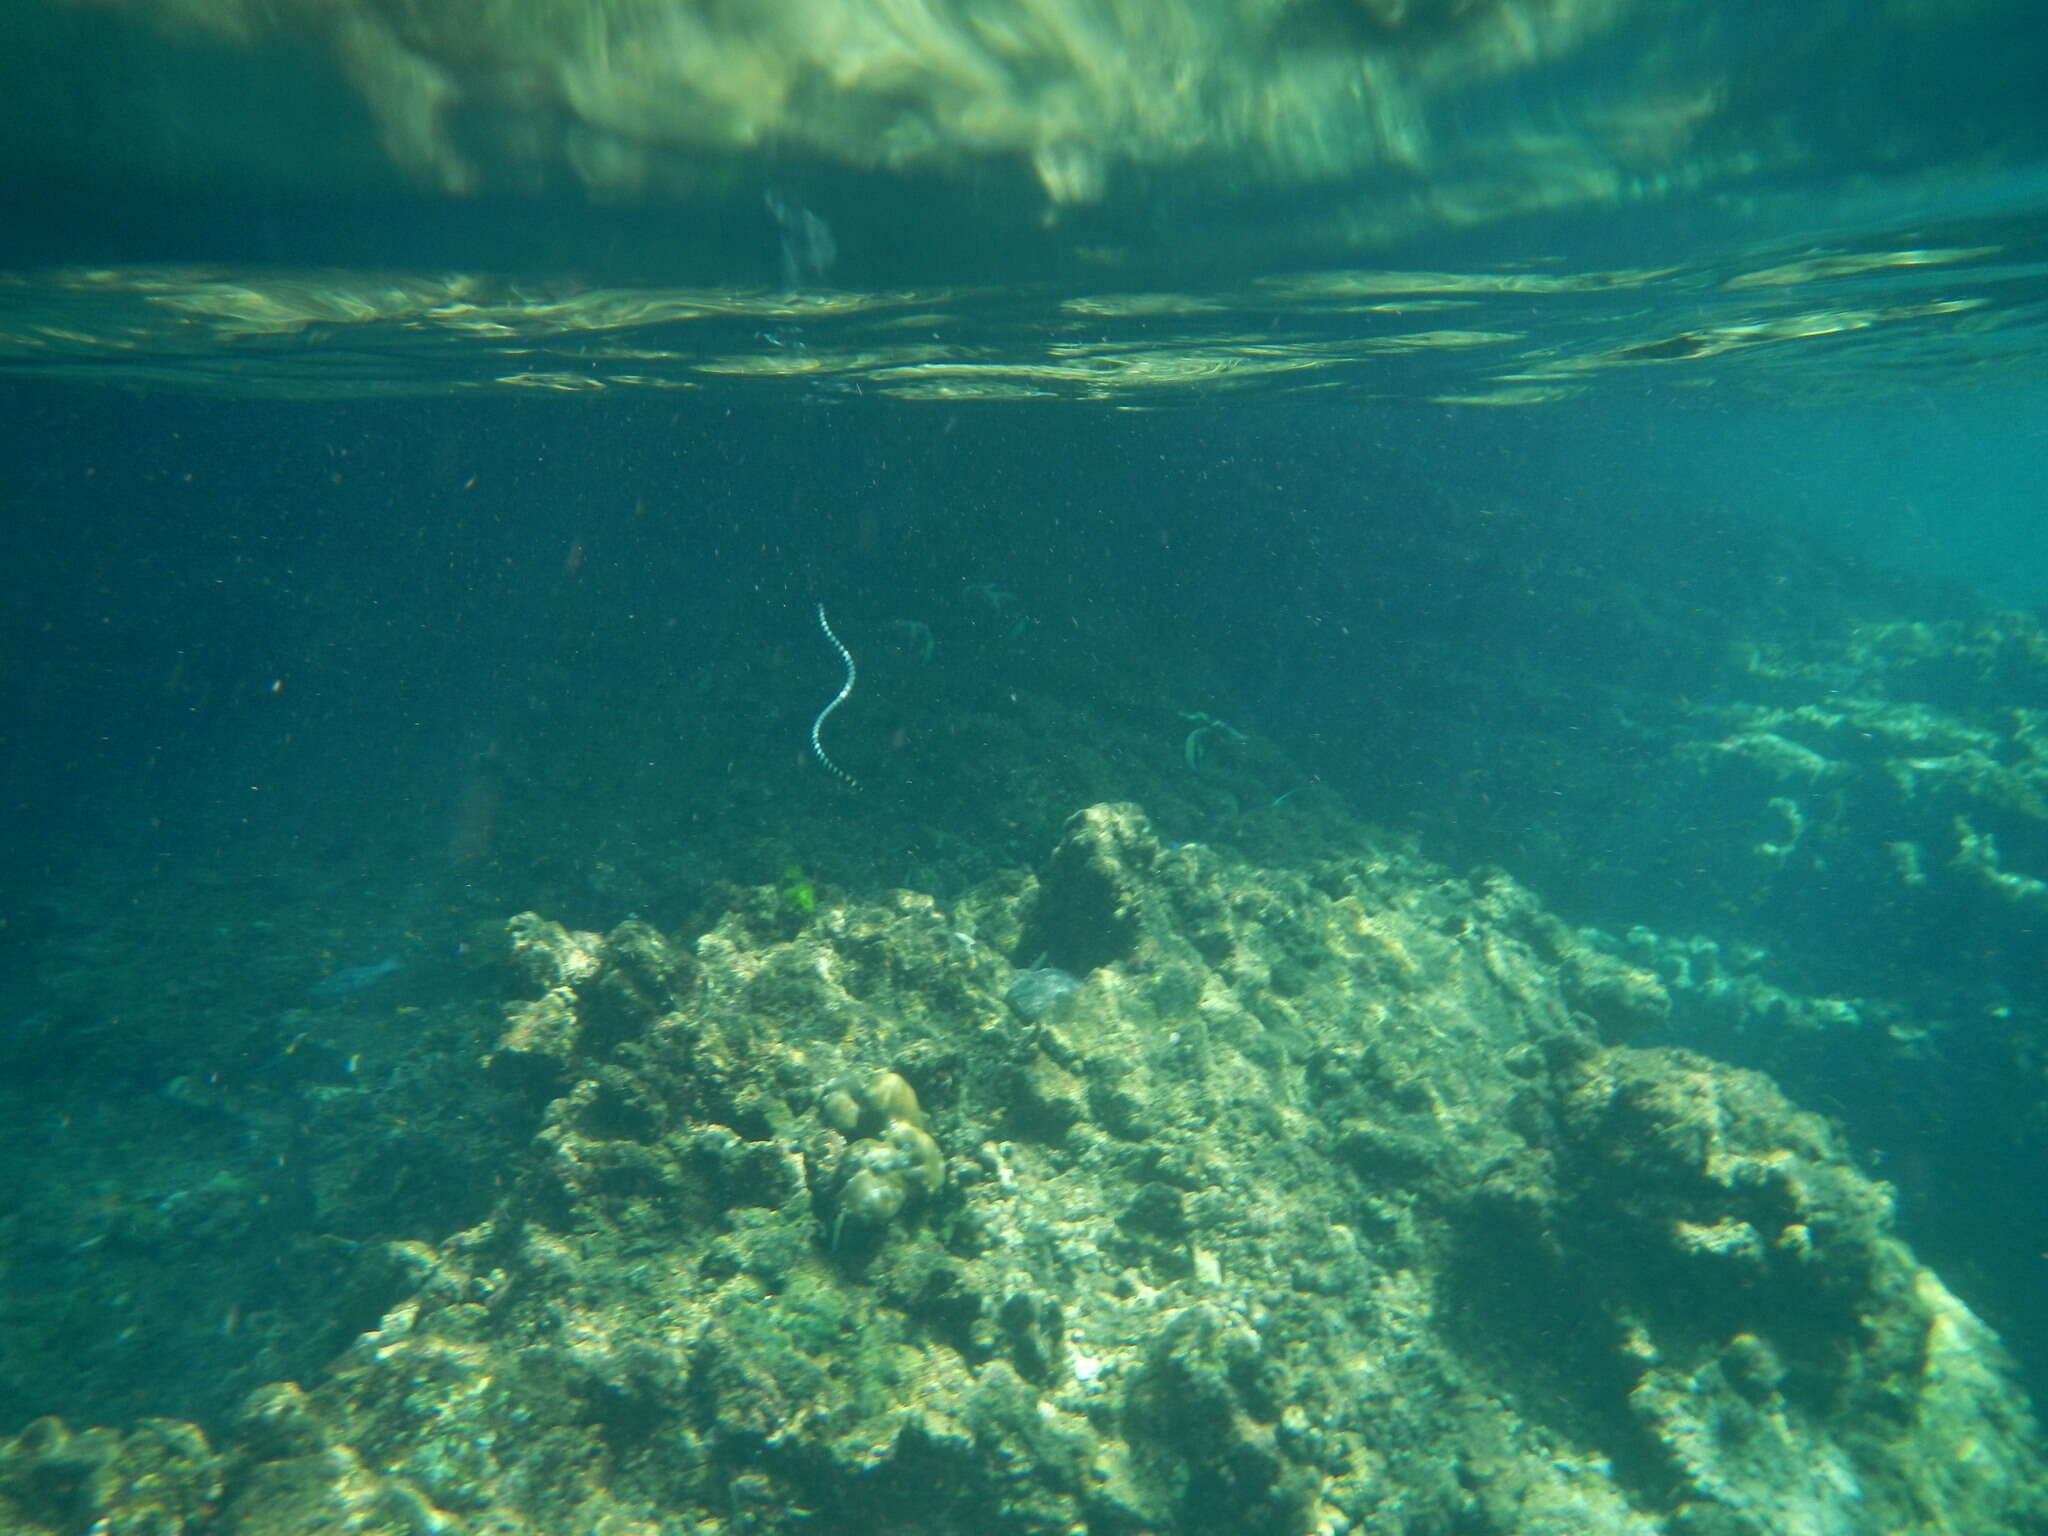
<point>1332,1199</point>
<point>1893,776</point>
<point>158,1479</point>
<point>893,1161</point>
<point>1868,854</point>
<point>1826,834</point>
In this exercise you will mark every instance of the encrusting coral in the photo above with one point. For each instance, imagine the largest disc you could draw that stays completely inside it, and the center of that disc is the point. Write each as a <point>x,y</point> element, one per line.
<point>894,1159</point>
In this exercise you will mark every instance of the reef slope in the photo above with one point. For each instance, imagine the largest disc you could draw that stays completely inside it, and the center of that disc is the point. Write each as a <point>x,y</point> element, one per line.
<point>1332,1199</point>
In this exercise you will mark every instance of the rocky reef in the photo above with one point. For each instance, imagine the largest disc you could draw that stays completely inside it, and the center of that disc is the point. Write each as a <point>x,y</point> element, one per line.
<point>1332,1198</point>
<point>1837,858</point>
<point>1895,773</point>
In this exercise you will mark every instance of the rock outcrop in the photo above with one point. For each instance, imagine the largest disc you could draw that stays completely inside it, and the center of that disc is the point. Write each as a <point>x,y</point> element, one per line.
<point>1332,1199</point>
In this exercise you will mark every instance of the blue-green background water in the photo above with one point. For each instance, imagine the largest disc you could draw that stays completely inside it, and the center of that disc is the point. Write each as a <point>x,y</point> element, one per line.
<point>331,638</point>
<point>302,688</point>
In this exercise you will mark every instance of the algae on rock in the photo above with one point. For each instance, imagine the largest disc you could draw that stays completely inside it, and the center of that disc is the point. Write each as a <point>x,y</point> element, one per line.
<point>1330,1200</point>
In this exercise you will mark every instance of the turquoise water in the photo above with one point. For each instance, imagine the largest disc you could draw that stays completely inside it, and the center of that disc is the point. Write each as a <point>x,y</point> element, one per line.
<point>1603,448</point>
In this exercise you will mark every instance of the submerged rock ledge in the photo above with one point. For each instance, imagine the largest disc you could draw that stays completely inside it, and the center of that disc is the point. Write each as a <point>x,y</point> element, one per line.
<point>1331,1200</point>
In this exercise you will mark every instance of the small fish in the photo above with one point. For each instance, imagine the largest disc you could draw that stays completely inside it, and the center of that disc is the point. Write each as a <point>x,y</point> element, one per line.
<point>1039,990</point>
<point>355,978</point>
